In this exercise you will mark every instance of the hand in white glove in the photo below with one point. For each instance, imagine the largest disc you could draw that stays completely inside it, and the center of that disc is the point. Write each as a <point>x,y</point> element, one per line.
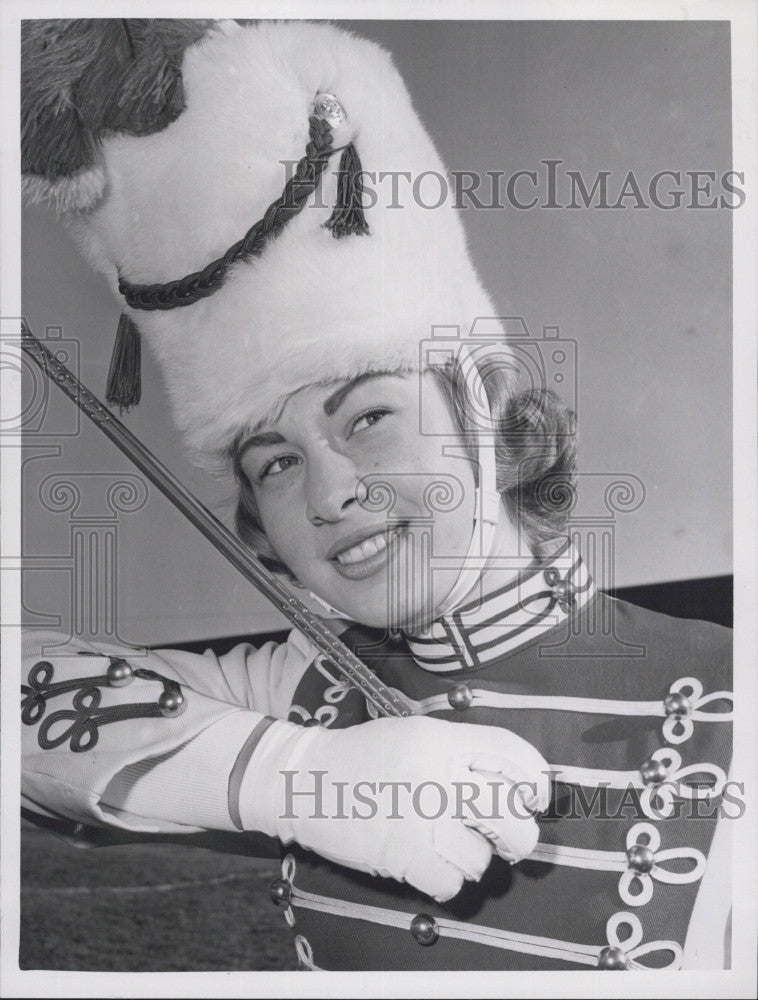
<point>419,800</point>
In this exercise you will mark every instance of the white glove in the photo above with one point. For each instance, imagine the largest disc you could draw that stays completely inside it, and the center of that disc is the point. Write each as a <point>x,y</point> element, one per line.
<point>454,794</point>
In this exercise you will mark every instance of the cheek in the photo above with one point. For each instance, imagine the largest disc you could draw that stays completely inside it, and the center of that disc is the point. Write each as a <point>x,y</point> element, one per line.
<point>456,498</point>
<point>280,527</point>
<point>290,534</point>
<point>453,528</point>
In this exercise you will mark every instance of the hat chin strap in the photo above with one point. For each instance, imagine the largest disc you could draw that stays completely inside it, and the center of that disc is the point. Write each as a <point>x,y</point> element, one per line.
<point>486,497</point>
<point>486,507</point>
<point>486,518</point>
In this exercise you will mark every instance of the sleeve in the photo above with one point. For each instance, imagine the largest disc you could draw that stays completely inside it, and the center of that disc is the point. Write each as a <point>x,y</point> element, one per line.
<point>148,740</point>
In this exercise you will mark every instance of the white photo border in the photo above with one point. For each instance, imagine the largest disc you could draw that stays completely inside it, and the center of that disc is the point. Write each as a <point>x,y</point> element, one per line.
<point>740,981</point>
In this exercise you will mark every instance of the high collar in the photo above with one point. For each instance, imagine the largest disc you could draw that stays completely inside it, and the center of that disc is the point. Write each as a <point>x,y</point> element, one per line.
<point>499,617</point>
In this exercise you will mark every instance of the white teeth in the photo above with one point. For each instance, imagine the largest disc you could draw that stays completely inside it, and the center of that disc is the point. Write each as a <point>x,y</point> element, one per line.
<point>368,547</point>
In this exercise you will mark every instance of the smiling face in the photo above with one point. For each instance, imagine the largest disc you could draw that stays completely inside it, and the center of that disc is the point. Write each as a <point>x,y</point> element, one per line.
<point>345,486</point>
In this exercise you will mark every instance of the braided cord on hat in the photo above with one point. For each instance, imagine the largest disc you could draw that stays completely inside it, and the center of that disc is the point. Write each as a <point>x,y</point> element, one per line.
<point>193,287</point>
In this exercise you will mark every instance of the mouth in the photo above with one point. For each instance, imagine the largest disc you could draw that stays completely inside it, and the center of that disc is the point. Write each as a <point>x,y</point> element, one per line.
<point>367,556</point>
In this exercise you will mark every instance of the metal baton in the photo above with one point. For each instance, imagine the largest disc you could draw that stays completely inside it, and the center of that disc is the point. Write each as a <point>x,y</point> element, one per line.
<point>385,699</point>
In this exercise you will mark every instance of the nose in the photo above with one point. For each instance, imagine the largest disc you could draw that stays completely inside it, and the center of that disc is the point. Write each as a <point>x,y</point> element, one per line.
<point>333,485</point>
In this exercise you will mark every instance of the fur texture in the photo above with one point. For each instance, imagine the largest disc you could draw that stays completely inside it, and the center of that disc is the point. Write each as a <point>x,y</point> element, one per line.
<point>84,78</point>
<point>312,307</point>
<point>77,193</point>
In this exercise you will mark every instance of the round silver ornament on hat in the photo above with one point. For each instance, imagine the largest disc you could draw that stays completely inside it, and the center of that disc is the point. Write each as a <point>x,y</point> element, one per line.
<point>329,108</point>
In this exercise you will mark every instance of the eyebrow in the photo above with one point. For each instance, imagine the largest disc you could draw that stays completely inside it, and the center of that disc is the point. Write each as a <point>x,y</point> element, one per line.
<point>332,403</point>
<point>260,441</point>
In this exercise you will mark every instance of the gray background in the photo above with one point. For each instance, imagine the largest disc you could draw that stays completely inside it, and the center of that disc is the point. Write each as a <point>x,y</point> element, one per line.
<point>645,294</point>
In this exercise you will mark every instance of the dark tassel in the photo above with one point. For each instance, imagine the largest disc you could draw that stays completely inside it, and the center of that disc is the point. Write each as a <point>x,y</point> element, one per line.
<point>348,216</point>
<point>124,375</point>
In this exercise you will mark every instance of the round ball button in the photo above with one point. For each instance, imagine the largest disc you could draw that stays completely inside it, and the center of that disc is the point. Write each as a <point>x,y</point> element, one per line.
<point>677,704</point>
<point>424,929</point>
<point>460,697</point>
<point>119,673</point>
<point>171,703</point>
<point>612,958</point>
<point>280,891</point>
<point>641,859</point>
<point>653,772</point>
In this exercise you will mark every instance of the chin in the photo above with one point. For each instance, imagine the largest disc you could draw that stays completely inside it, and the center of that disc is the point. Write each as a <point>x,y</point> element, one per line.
<point>410,618</point>
<point>377,604</point>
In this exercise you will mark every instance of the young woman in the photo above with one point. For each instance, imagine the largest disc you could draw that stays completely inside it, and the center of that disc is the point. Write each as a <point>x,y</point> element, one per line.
<point>536,811</point>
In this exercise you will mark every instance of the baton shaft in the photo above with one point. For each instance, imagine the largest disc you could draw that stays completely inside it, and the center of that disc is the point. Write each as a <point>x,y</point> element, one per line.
<point>388,701</point>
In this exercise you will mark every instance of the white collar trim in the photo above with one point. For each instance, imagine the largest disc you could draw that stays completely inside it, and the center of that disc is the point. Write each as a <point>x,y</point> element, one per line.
<point>541,596</point>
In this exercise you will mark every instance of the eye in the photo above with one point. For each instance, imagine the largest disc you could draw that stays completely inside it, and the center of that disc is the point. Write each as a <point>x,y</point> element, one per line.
<point>276,466</point>
<point>368,419</point>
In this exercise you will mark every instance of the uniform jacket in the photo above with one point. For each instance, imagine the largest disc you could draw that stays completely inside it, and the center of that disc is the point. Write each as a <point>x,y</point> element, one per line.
<point>631,708</point>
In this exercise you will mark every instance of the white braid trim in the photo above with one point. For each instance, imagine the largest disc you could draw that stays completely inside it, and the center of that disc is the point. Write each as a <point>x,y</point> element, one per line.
<point>656,800</point>
<point>304,954</point>
<point>530,944</point>
<point>644,834</point>
<point>676,729</point>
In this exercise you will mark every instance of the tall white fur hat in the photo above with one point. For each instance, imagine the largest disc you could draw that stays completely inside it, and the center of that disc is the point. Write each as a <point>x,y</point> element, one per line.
<point>152,208</point>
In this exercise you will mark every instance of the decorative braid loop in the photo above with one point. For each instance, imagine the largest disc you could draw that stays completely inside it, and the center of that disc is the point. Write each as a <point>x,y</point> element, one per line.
<point>185,291</point>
